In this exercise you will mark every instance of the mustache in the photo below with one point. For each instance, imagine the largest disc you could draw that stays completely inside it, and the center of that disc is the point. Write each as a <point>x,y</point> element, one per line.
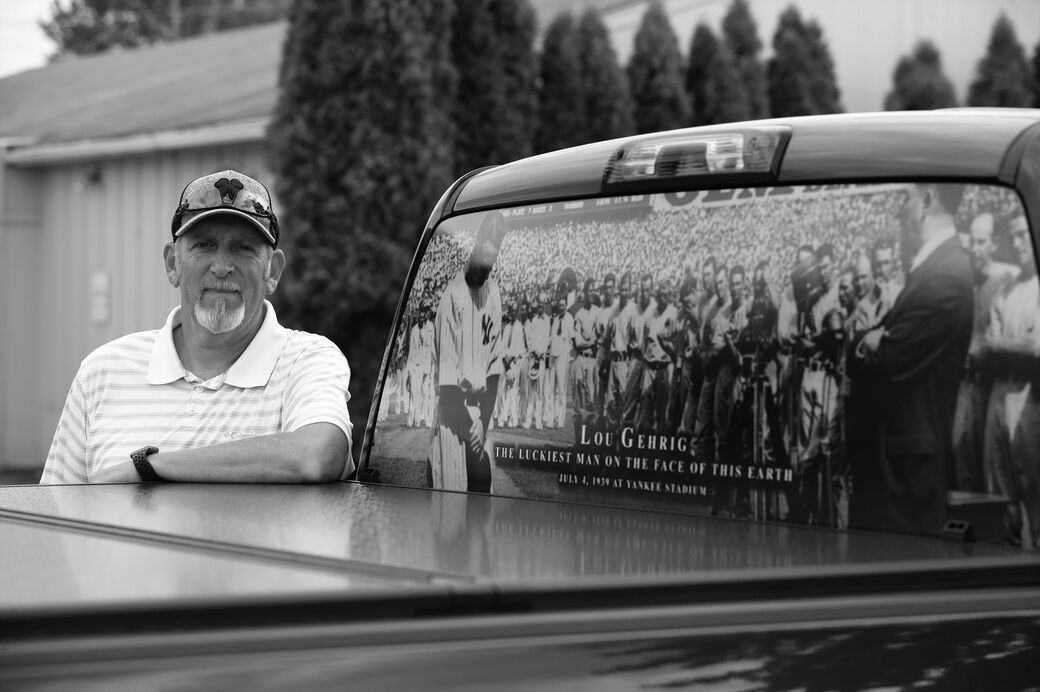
<point>220,285</point>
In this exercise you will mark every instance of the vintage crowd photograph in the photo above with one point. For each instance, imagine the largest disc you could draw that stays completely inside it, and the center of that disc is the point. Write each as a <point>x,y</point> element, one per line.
<point>747,353</point>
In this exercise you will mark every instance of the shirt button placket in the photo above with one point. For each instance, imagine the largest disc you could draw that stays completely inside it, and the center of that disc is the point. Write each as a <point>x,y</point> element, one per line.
<point>192,399</point>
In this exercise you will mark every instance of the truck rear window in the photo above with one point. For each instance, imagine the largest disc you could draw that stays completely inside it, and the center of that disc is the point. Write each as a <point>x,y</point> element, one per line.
<point>852,356</point>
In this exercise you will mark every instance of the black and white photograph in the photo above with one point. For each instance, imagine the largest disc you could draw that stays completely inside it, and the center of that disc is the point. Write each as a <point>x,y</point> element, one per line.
<point>519,345</point>
<point>854,333</point>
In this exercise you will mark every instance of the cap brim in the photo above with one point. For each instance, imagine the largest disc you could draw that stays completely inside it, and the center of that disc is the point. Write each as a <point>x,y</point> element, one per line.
<point>212,212</point>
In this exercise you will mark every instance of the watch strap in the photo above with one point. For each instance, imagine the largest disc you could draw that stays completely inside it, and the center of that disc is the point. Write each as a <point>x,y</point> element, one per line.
<point>144,468</point>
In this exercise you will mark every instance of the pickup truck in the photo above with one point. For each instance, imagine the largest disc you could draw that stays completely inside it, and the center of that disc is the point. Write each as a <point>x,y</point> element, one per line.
<point>748,406</point>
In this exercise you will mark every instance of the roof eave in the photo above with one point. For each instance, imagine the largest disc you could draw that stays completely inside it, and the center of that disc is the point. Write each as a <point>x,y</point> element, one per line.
<point>56,153</point>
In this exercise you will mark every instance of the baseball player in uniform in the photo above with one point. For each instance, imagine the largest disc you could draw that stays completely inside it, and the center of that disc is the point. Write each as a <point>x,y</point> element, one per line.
<point>561,334</point>
<point>536,334</point>
<point>658,357</point>
<point>1011,356</point>
<point>608,304</point>
<point>515,348</point>
<point>414,368</point>
<point>585,373</point>
<point>427,365</point>
<point>621,336</point>
<point>991,280</point>
<point>468,345</point>
<point>633,388</point>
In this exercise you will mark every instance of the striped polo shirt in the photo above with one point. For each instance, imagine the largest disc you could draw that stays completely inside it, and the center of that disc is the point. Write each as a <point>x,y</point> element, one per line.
<point>134,391</point>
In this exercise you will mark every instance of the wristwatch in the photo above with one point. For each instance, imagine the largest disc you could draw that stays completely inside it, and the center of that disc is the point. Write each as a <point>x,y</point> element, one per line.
<point>144,469</point>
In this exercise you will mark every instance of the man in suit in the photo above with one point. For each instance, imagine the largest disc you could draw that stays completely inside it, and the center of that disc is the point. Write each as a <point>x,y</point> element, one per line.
<point>916,357</point>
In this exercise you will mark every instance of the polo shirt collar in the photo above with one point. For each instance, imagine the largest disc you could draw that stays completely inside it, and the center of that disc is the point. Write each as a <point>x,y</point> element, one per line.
<point>252,369</point>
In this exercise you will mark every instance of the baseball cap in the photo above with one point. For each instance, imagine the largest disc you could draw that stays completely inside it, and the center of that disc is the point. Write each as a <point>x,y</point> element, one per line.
<point>226,192</point>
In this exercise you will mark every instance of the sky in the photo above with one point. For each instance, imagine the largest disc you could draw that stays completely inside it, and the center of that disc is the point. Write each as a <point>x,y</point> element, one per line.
<point>23,45</point>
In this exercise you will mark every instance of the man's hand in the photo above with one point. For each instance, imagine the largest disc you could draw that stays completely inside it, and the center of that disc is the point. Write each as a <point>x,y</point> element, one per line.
<point>870,343</point>
<point>120,473</point>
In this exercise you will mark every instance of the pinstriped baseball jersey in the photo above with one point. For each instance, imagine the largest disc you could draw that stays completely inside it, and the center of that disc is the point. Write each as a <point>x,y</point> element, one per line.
<point>134,391</point>
<point>622,327</point>
<point>469,334</point>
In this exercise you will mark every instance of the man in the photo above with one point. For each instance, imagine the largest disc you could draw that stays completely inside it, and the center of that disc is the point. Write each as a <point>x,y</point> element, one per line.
<point>870,303</point>
<point>416,355</point>
<point>536,335</point>
<point>686,380</point>
<point>525,315</point>
<point>468,344</point>
<point>561,335</point>
<point>426,366</point>
<point>991,278</point>
<point>846,292</point>
<point>704,431</point>
<point>633,388</point>
<point>1011,356</point>
<point>831,297</point>
<point>916,356</point>
<point>755,424</point>
<point>513,353</point>
<point>607,304</point>
<point>727,326</point>
<point>222,392</point>
<point>658,361</point>
<point>623,340</point>
<point>886,271</point>
<point>586,334</point>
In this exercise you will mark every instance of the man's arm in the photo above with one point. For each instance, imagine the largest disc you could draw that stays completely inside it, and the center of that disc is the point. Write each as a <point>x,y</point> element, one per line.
<point>923,328</point>
<point>315,453</point>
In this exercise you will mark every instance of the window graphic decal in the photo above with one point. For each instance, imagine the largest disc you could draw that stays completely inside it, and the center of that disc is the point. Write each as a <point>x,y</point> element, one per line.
<point>852,356</point>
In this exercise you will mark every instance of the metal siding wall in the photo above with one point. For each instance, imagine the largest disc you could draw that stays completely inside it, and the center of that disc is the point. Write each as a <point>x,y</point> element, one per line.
<point>23,279</point>
<point>111,216</point>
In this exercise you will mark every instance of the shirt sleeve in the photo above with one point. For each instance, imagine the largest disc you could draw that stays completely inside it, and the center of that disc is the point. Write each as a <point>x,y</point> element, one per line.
<point>67,458</point>
<point>318,392</point>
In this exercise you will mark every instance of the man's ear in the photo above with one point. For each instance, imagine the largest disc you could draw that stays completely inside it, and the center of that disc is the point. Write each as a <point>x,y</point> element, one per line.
<point>277,265</point>
<point>170,260</point>
<point>929,197</point>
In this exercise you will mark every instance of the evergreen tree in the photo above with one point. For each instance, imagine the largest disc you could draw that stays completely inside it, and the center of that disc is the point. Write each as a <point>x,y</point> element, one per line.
<point>86,27</point>
<point>515,28</point>
<point>801,73</point>
<point>361,144</point>
<point>608,101</point>
<point>919,83</point>
<point>1002,76</point>
<point>481,90</point>
<point>492,50</point>
<point>655,74</point>
<point>713,82</point>
<point>740,32</point>
<point>824,83</point>
<point>1036,75</point>
<point>790,89</point>
<point>561,112</point>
